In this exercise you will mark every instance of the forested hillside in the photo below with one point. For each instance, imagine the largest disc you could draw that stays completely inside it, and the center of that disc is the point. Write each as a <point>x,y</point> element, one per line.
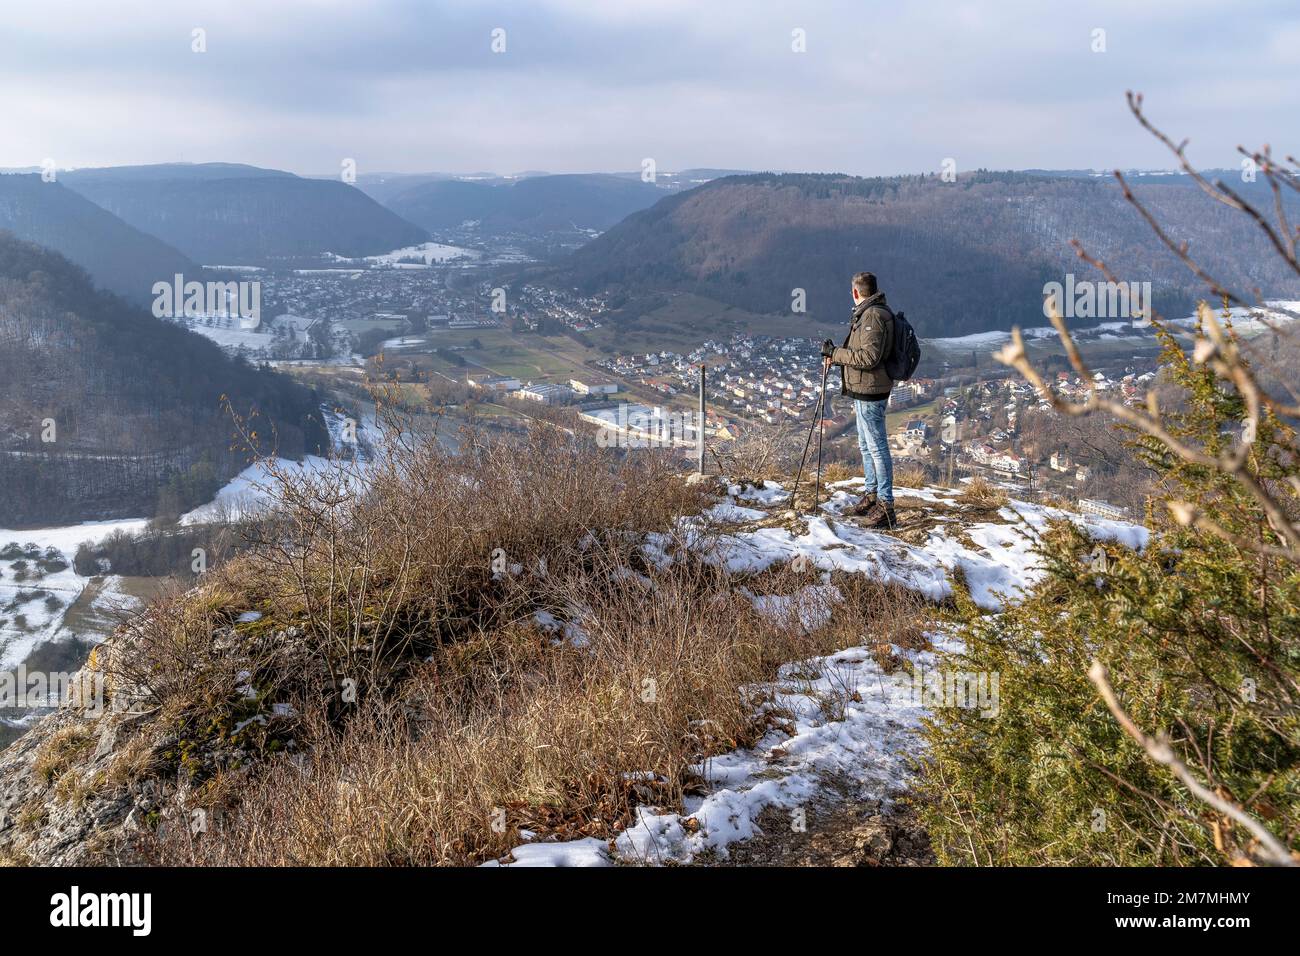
<point>133,405</point>
<point>118,256</point>
<point>240,214</point>
<point>535,204</point>
<point>958,257</point>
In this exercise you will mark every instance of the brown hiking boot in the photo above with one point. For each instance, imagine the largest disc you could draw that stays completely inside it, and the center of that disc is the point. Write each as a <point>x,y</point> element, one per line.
<point>862,506</point>
<point>882,517</point>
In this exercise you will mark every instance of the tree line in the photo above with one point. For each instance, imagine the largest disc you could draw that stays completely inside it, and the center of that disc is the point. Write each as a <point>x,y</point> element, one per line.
<point>106,411</point>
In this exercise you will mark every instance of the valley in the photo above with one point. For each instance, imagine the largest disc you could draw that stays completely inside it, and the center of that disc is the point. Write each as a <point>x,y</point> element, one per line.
<point>445,368</point>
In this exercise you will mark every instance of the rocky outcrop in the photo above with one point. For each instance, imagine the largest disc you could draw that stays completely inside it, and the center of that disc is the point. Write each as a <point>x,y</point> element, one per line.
<point>86,783</point>
<point>57,805</point>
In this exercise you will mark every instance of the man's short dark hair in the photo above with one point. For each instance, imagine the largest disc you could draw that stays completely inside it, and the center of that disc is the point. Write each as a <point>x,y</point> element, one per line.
<point>865,283</point>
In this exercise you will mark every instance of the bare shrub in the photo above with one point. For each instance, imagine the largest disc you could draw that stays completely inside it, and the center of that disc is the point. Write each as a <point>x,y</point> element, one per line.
<point>762,453</point>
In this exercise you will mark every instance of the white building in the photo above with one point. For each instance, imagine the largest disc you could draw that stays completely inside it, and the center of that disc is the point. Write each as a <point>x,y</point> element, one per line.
<point>1102,509</point>
<point>546,394</point>
<point>593,386</point>
<point>493,383</point>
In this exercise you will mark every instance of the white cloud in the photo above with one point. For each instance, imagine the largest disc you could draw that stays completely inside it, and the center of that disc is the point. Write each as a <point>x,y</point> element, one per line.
<point>588,84</point>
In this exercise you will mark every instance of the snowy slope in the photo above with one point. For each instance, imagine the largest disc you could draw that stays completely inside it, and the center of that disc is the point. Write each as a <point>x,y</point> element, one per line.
<point>253,489</point>
<point>999,566</point>
<point>853,721</point>
<point>1245,321</point>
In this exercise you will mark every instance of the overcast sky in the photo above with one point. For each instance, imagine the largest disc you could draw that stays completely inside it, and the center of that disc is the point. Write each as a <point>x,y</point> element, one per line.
<point>413,85</point>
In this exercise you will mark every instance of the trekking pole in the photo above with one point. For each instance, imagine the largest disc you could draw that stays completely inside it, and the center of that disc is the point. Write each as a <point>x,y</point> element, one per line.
<point>821,429</point>
<point>794,496</point>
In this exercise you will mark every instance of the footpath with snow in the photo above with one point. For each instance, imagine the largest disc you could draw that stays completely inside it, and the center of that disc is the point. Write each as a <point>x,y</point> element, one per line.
<point>852,721</point>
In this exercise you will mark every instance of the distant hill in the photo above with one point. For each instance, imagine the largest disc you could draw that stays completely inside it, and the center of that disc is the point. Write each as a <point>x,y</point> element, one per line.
<point>135,401</point>
<point>382,187</point>
<point>688,178</point>
<point>958,257</point>
<point>118,257</point>
<point>184,171</point>
<point>223,214</point>
<point>535,205</point>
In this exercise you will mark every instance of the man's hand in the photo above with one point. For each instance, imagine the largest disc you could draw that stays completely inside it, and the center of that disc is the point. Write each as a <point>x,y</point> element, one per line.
<point>828,349</point>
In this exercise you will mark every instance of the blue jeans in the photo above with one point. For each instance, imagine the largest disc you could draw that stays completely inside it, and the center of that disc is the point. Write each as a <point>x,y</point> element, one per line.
<point>877,465</point>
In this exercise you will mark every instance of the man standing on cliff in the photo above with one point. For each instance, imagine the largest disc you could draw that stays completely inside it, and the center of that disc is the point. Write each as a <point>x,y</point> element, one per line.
<point>864,379</point>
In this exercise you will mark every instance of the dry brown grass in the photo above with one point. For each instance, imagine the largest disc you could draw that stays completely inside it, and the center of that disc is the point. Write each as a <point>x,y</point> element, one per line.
<point>837,471</point>
<point>881,616</point>
<point>911,474</point>
<point>982,493</point>
<point>762,453</point>
<point>509,729</point>
<point>64,749</point>
<point>470,721</point>
<point>374,573</point>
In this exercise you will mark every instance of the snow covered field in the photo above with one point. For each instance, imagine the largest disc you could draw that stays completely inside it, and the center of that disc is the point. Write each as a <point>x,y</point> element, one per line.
<point>988,341</point>
<point>250,490</point>
<point>405,342</point>
<point>233,338</point>
<point>852,720</point>
<point>38,583</point>
<point>1243,320</point>
<point>428,252</point>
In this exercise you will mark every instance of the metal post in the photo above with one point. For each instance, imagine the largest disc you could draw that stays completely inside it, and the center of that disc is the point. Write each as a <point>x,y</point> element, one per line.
<point>699,436</point>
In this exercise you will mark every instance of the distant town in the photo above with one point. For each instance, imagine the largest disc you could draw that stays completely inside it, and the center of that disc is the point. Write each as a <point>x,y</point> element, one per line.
<point>409,305</point>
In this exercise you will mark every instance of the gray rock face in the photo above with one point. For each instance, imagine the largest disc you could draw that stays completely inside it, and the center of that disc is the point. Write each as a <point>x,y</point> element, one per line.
<point>99,780</point>
<point>64,795</point>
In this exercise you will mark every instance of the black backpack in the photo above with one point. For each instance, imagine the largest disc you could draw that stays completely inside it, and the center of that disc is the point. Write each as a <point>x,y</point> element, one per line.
<point>905,352</point>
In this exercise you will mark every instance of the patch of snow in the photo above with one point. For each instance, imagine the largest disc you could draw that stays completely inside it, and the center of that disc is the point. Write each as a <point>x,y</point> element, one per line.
<point>813,605</point>
<point>427,252</point>
<point>769,493</point>
<point>251,491</point>
<point>851,719</point>
<point>588,851</point>
<point>1245,321</point>
<point>730,512</point>
<point>569,630</point>
<point>997,559</point>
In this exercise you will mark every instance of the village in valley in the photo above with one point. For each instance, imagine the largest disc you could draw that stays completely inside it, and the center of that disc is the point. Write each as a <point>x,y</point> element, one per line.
<point>952,426</point>
<point>432,318</point>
